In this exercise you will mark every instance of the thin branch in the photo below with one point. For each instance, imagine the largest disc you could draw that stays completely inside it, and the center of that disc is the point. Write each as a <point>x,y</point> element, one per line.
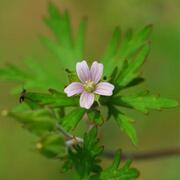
<point>154,154</point>
<point>63,131</point>
<point>71,139</point>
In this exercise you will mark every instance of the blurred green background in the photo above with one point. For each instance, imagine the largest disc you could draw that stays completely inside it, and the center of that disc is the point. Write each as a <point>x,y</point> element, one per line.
<point>20,24</point>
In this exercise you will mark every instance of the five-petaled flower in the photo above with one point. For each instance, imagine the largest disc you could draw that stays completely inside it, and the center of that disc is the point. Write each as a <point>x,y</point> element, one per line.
<point>89,85</point>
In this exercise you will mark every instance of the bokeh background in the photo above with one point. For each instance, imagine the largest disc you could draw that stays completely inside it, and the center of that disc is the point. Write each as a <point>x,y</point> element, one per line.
<point>20,24</point>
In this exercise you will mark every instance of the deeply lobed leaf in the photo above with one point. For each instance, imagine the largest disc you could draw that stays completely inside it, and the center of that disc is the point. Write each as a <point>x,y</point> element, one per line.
<point>125,123</point>
<point>145,102</point>
<point>84,158</point>
<point>68,50</point>
<point>55,99</point>
<point>130,72</point>
<point>114,172</point>
<point>95,117</point>
<point>70,121</point>
<point>118,55</point>
<point>35,76</point>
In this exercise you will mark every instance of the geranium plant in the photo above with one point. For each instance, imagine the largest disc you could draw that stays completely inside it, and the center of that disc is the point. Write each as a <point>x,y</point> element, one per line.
<point>93,94</point>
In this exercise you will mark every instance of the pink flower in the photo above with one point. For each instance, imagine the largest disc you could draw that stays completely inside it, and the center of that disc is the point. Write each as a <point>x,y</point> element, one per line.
<point>89,85</point>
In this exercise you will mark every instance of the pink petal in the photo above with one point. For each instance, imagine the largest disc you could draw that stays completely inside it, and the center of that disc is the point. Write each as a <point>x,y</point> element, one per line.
<point>82,70</point>
<point>104,88</point>
<point>73,88</point>
<point>86,100</point>
<point>96,71</point>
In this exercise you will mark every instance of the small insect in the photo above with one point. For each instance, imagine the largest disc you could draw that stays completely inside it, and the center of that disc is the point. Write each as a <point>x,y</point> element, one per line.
<point>22,96</point>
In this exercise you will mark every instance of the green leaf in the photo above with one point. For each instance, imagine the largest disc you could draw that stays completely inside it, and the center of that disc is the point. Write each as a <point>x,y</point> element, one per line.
<point>52,146</point>
<point>116,55</point>
<point>84,158</point>
<point>91,142</point>
<point>95,116</point>
<point>108,58</point>
<point>37,121</point>
<point>55,99</point>
<point>133,42</point>
<point>32,77</point>
<point>114,75</point>
<point>67,165</point>
<point>60,52</point>
<point>114,172</point>
<point>65,48</point>
<point>70,121</point>
<point>59,25</point>
<point>125,123</point>
<point>145,102</point>
<point>35,68</point>
<point>130,72</point>
<point>135,82</point>
<point>13,73</point>
<point>80,39</point>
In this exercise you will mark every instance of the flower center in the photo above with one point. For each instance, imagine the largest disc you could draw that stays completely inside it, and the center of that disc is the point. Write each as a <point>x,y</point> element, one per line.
<point>89,86</point>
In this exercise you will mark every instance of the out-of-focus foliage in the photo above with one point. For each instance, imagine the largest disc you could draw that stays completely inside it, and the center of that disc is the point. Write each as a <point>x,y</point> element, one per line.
<point>68,49</point>
<point>39,121</point>
<point>35,76</point>
<point>52,146</point>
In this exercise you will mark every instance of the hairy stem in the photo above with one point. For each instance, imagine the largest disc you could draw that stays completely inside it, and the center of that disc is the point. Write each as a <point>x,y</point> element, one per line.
<point>71,140</point>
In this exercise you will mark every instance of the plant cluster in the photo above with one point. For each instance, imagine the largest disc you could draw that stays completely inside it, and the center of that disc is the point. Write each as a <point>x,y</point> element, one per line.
<point>53,116</point>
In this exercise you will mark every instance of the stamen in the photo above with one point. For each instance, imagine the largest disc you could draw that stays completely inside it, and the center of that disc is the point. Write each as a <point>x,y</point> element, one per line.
<point>89,86</point>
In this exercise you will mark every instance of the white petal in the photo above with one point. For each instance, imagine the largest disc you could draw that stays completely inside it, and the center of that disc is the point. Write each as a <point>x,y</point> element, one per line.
<point>86,100</point>
<point>104,88</point>
<point>96,71</point>
<point>73,88</point>
<point>83,71</point>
